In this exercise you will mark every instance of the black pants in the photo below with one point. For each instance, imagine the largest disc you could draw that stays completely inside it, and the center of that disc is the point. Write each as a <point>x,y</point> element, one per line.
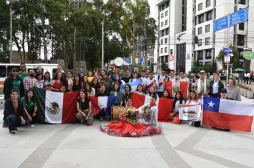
<point>246,79</point>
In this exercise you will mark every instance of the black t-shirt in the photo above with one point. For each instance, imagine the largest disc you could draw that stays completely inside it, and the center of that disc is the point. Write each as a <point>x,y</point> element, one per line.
<point>84,105</point>
<point>126,79</point>
<point>102,94</point>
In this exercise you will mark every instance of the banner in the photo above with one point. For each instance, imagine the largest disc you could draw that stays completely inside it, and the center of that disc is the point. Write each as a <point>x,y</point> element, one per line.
<point>190,112</point>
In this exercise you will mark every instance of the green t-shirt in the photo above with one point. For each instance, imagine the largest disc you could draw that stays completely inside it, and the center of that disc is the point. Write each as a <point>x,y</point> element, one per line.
<point>23,75</point>
<point>16,85</point>
<point>29,106</point>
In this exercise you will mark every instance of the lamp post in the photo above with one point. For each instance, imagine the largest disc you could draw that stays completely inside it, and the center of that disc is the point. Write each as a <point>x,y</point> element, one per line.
<point>10,31</point>
<point>102,49</point>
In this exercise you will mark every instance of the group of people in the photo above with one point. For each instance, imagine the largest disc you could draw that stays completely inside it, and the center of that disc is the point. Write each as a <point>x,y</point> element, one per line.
<point>21,109</point>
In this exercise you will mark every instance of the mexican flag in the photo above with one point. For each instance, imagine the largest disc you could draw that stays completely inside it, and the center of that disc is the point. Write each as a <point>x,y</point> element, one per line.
<point>55,107</point>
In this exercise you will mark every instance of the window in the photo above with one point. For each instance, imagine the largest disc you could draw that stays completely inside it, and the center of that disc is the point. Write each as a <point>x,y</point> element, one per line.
<point>241,26</point>
<point>161,50</point>
<point>243,2</point>
<point>166,33</point>
<point>207,28</point>
<point>166,13</point>
<point>162,24</point>
<point>240,40</point>
<point>166,22</point>
<point>161,41</point>
<point>200,55</point>
<point>166,40</point>
<point>209,16</point>
<point>200,42</point>
<point>200,19</point>
<point>165,49</point>
<point>162,33</point>
<point>162,15</point>
<point>208,3</point>
<point>208,54</point>
<point>200,6</point>
<point>207,41</point>
<point>199,30</point>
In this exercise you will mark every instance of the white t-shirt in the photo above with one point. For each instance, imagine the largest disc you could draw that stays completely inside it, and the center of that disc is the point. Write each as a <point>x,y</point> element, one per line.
<point>192,102</point>
<point>143,79</point>
<point>161,79</point>
<point>177,103</point>
<point>216,87</point>
<point>149,81</point>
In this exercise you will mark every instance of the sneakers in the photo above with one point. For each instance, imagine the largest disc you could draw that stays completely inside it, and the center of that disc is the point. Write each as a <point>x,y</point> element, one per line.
<point>12,132</point>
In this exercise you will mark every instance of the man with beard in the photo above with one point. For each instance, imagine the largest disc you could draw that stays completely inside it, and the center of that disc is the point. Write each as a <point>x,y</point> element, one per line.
<point>29,81</point>
<point>22,73</point>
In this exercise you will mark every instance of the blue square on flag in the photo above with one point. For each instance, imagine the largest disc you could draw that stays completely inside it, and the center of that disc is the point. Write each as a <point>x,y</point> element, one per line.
<point>140,60</point>
<point>211,104</point>
<point>128,60</point>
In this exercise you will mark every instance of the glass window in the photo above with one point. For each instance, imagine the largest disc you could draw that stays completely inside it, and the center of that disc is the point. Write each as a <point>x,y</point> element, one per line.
<point>166,40</point>
<point>161,50</point>
<point>207,41</point>
<point>200,55</point>
<point>243,2</point>
<point>166,22</point>
<point>207,28</point>
<point>162,15</point>
<point>199,30</point>
<point>241,26</point>
<point>240,40</point>
<point>167,30</point>
<point>208,3</point>
<point>166,13</point>
<point>208,54</point>
<point>162,33</point>
<point>200,42</point>
<point>209,16</point>
<point>200,6</point>
<point>200,19</point>
<point>165,49</point>
<point>162,24</point>
<point>161,41</point>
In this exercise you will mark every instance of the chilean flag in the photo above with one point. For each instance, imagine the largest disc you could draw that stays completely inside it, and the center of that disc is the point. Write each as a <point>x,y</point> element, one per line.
<point>164,105</point>
<point>102,102</point>
<point>227,114</point>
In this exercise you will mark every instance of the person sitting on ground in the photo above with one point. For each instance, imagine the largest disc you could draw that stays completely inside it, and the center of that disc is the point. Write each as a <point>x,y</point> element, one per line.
<point>15,115</point>
<point>116,92</point>
<point>152,92</point>
<point>140,89</point>
<point>30,106</point>
<point>194,100</point>
<point>177,100</point>
<point>126,94</point>
<point>102,92</point>
<point>84,108</point>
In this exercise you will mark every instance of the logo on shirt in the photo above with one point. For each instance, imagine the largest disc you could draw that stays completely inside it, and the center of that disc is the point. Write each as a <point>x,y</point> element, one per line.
<point>53,108</point>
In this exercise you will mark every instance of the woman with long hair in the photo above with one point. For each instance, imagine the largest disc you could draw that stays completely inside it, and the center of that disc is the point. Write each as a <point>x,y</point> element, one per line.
<point>140,89</point>
<point>84,108</point>
<point>95,84</point>
<point>77,83</point>
<point>177,100</point>
<point>40,82</point>
<point>117,80</point>
<point>116,92</point>
<point>90,77</point>
<point>70,81</point>
<point>126,94</point>
<point>89,90</point>
<point>129,126</point>
<point>84,81</point>
<point>232,90</point>
<point>166,95</point>
<point>47,79</point>
<point>152,92</point>
<point>58,82</point>
<point>194,99</point>
<point>30,106</point>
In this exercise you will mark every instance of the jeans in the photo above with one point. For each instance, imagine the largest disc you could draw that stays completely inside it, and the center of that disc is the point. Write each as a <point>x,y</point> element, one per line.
<point>14,121</point>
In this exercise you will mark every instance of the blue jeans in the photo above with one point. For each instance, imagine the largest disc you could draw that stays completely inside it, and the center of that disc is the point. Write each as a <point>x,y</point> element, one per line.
<point>14,121</point>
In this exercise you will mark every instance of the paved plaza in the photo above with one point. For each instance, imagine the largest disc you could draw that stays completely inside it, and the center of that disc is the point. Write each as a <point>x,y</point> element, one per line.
<point>75,145</point>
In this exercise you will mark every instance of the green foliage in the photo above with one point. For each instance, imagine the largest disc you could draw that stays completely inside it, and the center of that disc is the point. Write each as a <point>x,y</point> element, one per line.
<point>235,56</point>
<point>207,68</point>
<point>123,20</point>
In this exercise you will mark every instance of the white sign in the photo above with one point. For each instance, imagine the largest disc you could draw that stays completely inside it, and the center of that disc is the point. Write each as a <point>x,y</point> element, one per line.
<point>227,58</point>
<point>190,112</point>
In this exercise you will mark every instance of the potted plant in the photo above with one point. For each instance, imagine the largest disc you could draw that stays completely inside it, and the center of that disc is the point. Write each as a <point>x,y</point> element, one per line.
<point>249,93</point>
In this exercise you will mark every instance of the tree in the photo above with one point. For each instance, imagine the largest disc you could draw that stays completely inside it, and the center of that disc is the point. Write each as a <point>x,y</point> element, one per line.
<point>235,60</point>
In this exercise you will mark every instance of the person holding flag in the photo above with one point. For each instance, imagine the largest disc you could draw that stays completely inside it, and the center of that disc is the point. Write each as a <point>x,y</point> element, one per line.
<point>161,79</point>
<point>151,82</point>
<point>202,85</point>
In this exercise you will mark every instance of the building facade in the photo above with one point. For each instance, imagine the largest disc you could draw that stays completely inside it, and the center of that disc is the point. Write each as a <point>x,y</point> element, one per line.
<point>186,28</point>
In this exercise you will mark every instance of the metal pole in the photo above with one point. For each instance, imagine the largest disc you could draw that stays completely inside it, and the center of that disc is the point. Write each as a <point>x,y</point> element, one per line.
<point>102,50</point>
<point>74,51</point>
<point>228,47</point>
<point>11,31</point>
<point>43,35</point>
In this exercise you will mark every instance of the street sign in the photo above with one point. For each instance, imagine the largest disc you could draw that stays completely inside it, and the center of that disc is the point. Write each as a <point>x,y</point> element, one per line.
<point>248,55</point>
<point>140,61</point>
<point>227,59</point>
<point>220,24</point>
<point>228,51</point>
<point>128,60</point>
<point>238,17</point>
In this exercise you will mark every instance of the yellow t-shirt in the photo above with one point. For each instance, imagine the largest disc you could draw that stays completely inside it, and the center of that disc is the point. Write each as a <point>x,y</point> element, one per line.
<point>90,79</point>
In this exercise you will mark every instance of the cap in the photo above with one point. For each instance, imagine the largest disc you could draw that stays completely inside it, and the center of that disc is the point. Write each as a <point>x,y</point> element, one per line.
<point>202,71</point>
<point>223,90</point>
<point>14,70</point>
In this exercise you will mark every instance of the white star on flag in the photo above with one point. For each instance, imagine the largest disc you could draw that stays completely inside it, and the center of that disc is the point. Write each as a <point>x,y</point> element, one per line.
<point>211,104</point>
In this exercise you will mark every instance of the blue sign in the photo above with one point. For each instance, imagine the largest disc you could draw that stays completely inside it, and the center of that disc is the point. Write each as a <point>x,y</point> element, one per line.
<point>128,60</point>
<point>228,51</point>
<point>238,17</point>
<point>220,24</point>
<point>140,61</point>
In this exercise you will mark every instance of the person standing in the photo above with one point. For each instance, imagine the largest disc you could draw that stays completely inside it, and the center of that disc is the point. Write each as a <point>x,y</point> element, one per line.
<point>90,77</point>
<point>127,77</point>
<point>13,82</point>
<point>76,84</point>
<point>30,81</point>
<point>232,90</point>
<point>40,82</point>
<point>215,86</point>
<point>60,70</point>
<point>161,79</point>
<point>15,115</point>
<point>69,80</point>
<point>90,91</point>
<point>102,92</point>
<point>183,78</point>
<point>151,82</point>
<point>22,73</point>
<point>202,85</point>
<point>246,77</point>
<point>58,82</point>
<point>135,70</point>
<point>47,79</point>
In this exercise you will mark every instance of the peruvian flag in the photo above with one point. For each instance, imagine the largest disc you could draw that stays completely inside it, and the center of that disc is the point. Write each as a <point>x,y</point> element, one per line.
<point>184,86</point>
<point>164,105</point>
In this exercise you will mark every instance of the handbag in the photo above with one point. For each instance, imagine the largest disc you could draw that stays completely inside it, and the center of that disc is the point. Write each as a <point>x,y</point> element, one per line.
<point>176,120</point>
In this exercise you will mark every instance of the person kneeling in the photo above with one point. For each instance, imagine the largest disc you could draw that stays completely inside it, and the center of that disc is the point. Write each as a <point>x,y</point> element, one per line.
<point>15,115</point>
<point>84,109</point>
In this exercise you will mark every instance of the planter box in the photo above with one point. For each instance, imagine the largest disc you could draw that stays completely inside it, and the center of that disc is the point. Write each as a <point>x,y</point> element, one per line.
<point>241,91</point>
<point>250,94</point>
<point>245,92</point>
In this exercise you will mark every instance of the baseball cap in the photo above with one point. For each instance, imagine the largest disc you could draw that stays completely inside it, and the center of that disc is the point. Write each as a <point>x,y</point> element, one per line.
<point>14,70</point>
<point>223,90</point>
<point>202,71</point>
